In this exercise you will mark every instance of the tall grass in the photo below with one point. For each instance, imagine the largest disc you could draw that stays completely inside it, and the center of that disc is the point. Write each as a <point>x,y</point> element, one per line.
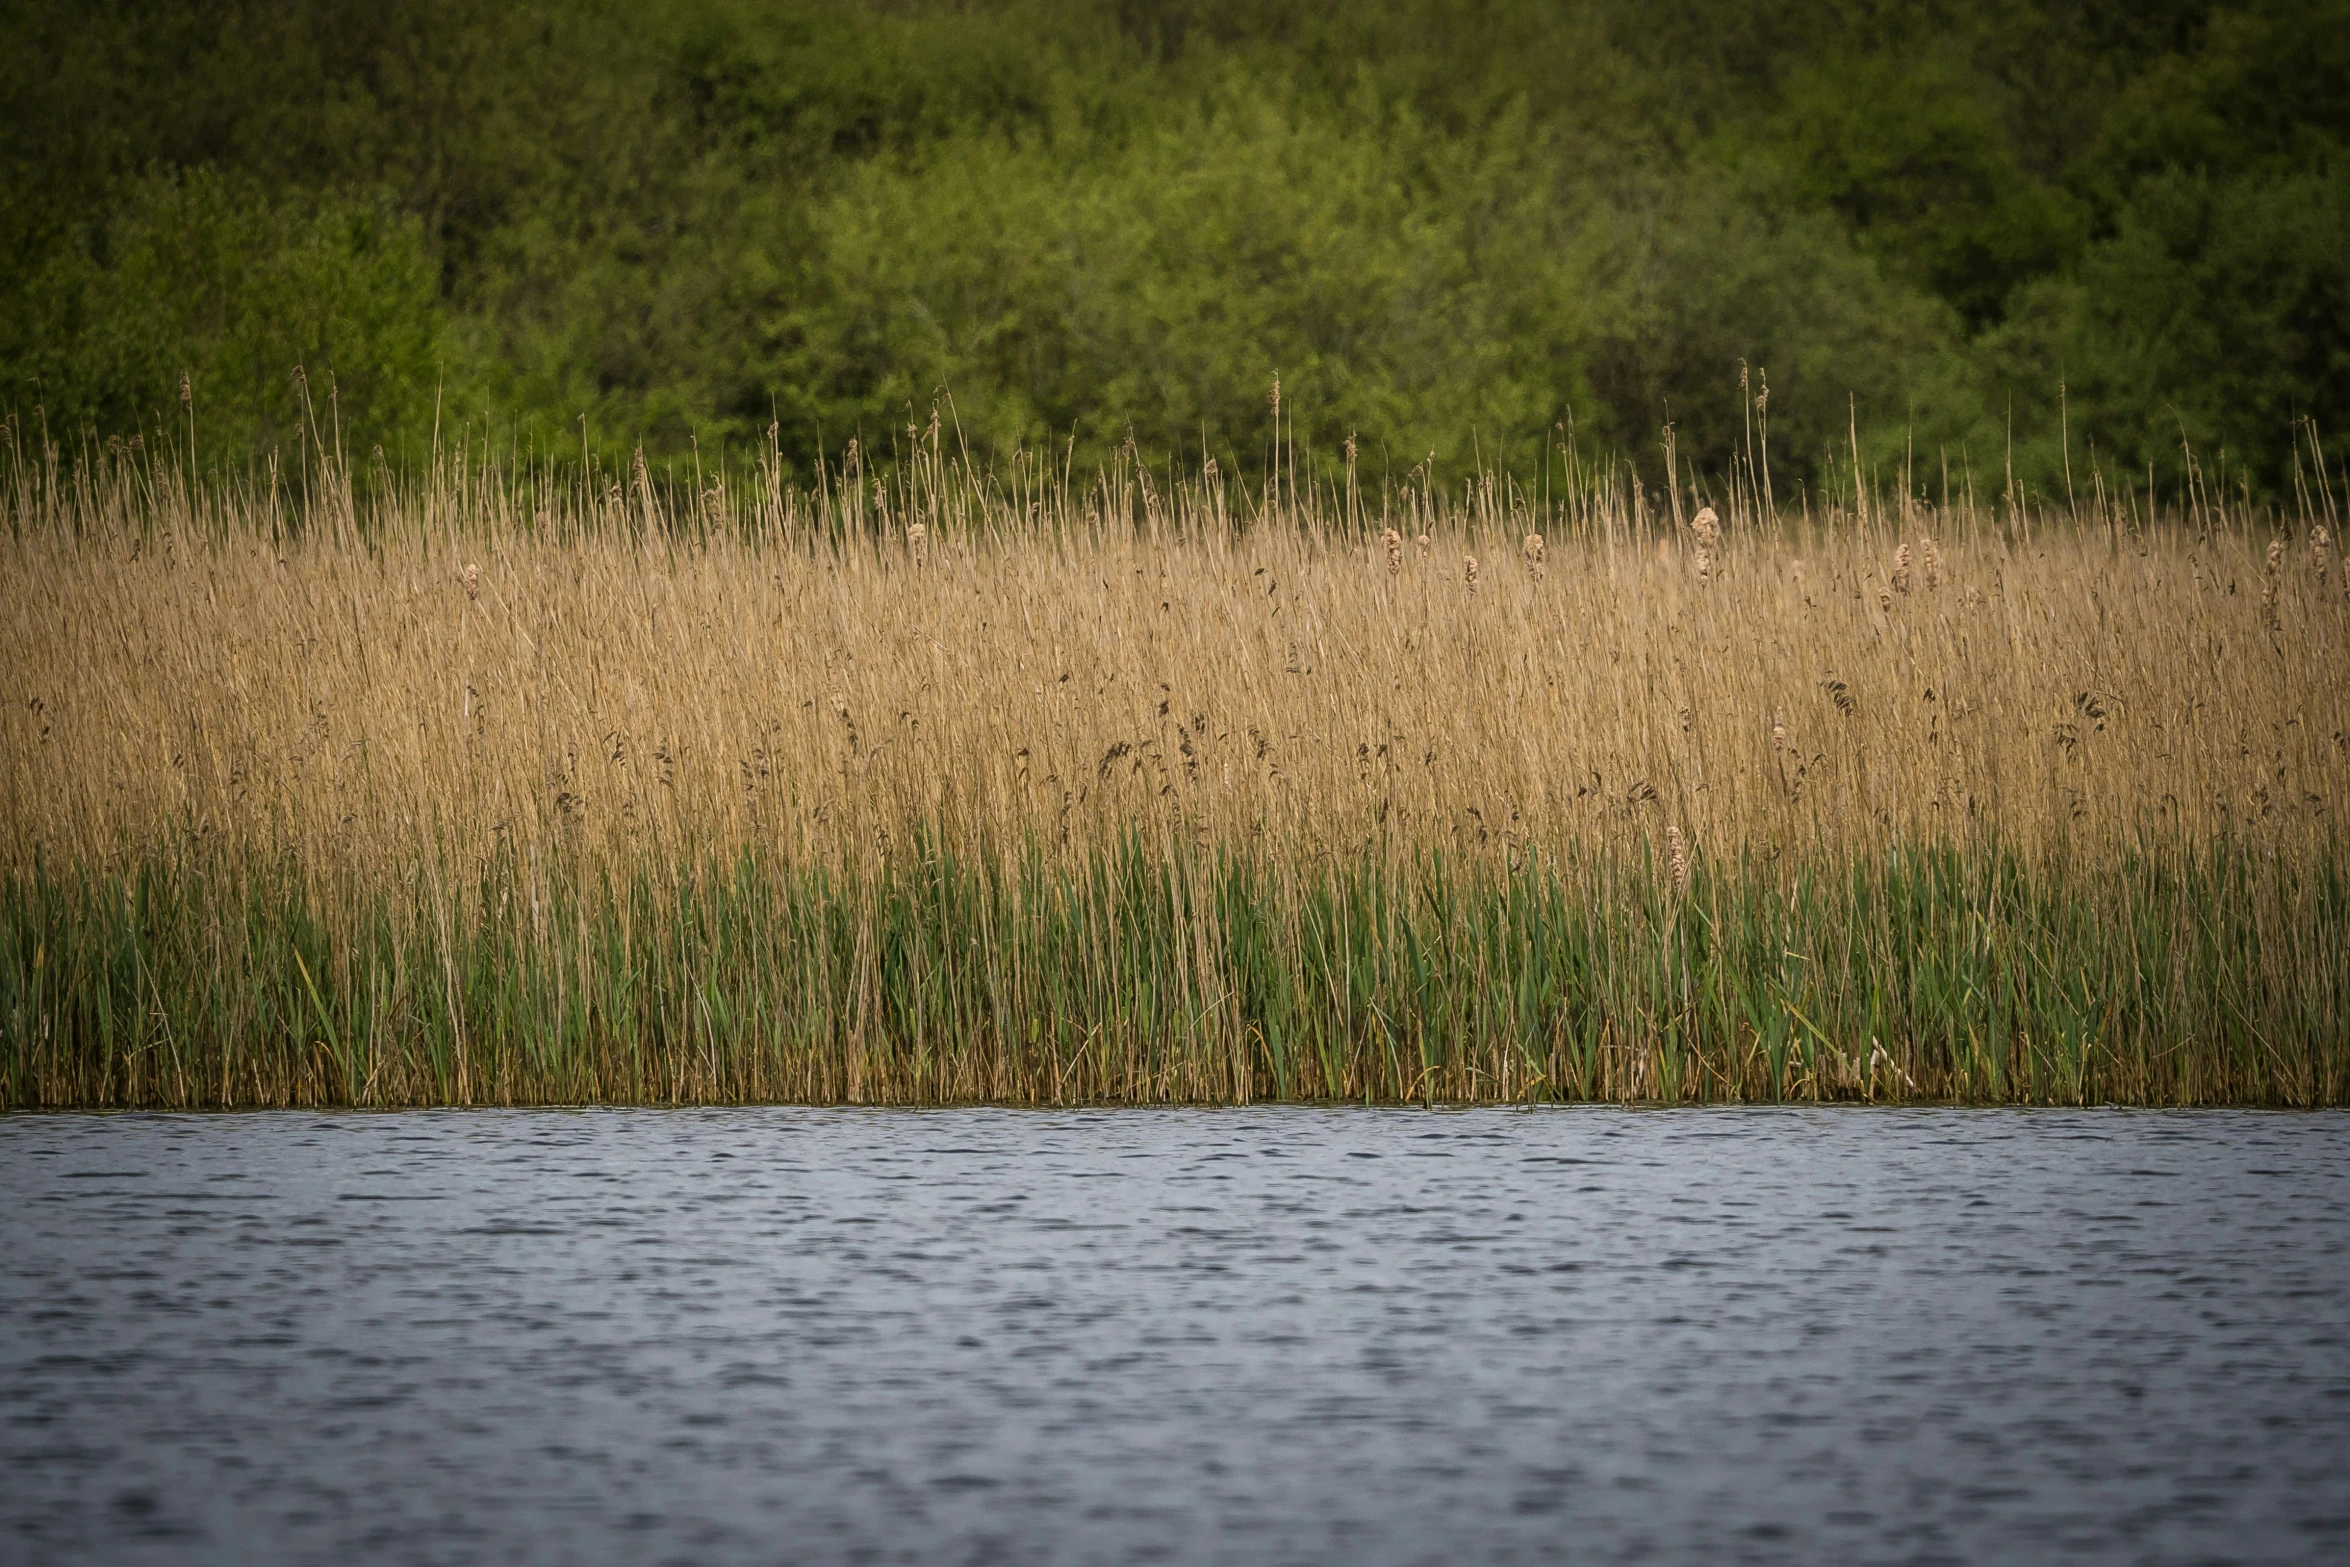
<point>502,786</point>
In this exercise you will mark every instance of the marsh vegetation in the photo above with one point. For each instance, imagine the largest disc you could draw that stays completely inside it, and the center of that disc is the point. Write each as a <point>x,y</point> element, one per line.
<point>945,782</point>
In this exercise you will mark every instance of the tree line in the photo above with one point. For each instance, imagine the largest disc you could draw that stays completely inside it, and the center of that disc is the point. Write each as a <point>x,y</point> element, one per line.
<point>2069,241</point>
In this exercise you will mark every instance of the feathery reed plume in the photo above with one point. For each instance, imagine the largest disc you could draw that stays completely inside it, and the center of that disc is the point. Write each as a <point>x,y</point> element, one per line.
<point>1677,856</point>
<point>1394,543</point>
<point>1469,571</point>
<point>472,581</point>
<point>1779,732</point>
<point>1530,551</point>
<point>1884,599</point>
<point>1708,530</point>
<point>1932,558</point>
<point>2274,581</point>
<point>918,543</point>
<point>1901,570</point>
<point>1424,547</point>
<point>2321,554</point>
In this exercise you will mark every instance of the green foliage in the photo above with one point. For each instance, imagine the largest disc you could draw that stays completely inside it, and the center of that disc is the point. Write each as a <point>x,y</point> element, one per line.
<point>1162,284</point>
<point>1911,153</point>
<point>1929,971</point>
<point>2210,319</point>
<point>1450,228</point>
<point>203,277</point>
<point>1707,278</point>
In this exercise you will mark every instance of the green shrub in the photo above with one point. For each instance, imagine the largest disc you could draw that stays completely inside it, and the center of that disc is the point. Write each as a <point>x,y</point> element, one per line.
<point>203,276</point>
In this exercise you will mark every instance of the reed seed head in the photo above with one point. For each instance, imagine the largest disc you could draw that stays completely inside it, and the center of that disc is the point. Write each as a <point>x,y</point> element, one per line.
<point>1677,857</point>
<point>1531,548</point>
<point>2321,553</point>
<point>918,542</point>
<point>1394,544</point>
<point>1901,570</point>
<point>1932,558</point>
<point>1707,527</point>
<point>1423,545</point>
<point>1469,571</point>
<point>472,581</point>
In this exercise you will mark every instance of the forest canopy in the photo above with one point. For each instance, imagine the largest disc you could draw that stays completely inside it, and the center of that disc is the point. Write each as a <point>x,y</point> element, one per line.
<point>1967,235</point>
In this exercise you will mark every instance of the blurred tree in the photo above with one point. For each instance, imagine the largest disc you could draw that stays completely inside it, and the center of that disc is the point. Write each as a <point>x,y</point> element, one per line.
<point>1911,153</point>
<point>1450,227</point>
<point>259,302</point>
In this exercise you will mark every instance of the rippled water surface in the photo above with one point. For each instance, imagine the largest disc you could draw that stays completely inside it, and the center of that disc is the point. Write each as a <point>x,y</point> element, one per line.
<point>802,1336</point>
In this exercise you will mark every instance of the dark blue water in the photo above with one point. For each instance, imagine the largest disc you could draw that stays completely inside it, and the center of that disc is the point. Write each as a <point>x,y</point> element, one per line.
<point>793,1336</point>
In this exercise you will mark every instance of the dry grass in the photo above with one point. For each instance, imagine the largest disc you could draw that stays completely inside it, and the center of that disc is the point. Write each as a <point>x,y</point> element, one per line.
<point>390,698</point>
<point>478,682</point>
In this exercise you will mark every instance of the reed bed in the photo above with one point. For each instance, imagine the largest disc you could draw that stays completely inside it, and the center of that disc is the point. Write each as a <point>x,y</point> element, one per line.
<point>935,786</point>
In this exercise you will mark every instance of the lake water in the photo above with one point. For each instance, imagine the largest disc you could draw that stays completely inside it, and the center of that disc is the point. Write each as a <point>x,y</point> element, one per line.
<point>1230,1336</point>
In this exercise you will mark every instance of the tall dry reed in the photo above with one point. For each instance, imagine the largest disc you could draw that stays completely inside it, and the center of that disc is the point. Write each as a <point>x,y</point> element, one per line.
<point>409,706</point>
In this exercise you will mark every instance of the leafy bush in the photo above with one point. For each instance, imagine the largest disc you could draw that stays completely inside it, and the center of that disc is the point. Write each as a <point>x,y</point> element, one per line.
<point>247,295</point>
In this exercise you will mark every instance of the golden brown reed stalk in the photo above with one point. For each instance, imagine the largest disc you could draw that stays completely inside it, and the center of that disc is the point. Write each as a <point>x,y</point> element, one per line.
<point>342,711</point>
